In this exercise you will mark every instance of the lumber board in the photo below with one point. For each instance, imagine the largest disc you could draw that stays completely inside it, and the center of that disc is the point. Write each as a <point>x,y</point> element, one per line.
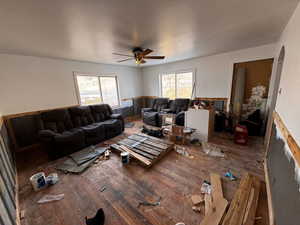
<point>159,146</point>
<point>136,156</point>
<point>155,139</point>
<point>235,214</point>
<point>219,203</point>
<point>208,203</point>
<point>217,192</point>
<point>144,154</point>
<point>215,214</point>
<point>140,147</point>
<point>249,218</point>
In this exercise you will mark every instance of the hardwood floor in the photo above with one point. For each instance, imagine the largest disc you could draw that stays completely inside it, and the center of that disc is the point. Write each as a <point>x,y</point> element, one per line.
<point>174,178</point>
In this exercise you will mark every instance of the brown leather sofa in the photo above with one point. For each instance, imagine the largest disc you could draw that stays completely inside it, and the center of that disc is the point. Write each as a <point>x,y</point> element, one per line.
<point>65,131</point>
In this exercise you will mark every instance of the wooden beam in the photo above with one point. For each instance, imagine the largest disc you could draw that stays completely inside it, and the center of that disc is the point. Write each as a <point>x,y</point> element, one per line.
<point>136,156</point>
<point>293,145</point>
<point>219,203</point>
<point>249,218</point>
<point>238,206</point>
<point>270,201</point>
<point>208,203</point>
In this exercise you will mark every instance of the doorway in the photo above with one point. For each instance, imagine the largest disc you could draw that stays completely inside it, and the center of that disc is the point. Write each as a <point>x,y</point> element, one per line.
<point>249,94</point>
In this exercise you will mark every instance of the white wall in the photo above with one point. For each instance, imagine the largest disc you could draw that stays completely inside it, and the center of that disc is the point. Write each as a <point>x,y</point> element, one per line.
<point>34,83</point>
<point>288,102</point>
<point>213,73</point>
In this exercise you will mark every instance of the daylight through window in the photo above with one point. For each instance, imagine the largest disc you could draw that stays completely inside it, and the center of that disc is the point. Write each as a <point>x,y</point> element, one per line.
<point>177,85</point>
<point>97,89</point>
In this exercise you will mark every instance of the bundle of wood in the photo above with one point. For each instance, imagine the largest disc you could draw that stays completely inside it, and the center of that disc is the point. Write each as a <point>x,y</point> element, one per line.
<point>242,209</point>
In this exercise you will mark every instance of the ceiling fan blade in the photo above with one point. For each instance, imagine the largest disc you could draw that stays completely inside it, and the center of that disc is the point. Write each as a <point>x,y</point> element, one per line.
<point>123,55</point>
<point>154,57</point>
<point>125,60</point>
<point>147,52</point>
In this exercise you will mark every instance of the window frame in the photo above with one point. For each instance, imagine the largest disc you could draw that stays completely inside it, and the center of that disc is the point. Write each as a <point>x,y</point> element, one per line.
<point>193,71</point>
<point>75,74</point>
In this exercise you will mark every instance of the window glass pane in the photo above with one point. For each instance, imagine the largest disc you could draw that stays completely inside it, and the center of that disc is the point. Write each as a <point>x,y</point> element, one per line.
<point>168,86</point>
<point>89,91</point>
<point>109,90</point>
<point>184,85</point>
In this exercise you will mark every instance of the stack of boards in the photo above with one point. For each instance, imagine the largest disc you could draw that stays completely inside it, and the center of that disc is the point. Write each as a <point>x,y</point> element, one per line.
<point>146,149</point>
<point>242,209</point>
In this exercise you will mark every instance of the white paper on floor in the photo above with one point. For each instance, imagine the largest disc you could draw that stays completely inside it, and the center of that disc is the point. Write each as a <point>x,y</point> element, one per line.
<point>50,198</point>
<point>212,150</point>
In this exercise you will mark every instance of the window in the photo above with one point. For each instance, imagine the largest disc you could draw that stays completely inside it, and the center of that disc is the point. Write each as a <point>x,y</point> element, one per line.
<point>97,89</point>
<point>177,85</point>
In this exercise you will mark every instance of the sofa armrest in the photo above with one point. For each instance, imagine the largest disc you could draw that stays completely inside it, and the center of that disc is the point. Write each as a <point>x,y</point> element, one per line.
<point>166,110</point>
<point>47,135</point>
<point>116,116</point>
<point>147,110</point>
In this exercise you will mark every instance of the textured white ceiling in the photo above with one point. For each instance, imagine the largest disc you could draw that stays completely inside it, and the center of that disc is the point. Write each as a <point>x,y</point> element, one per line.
<point>91,30</point>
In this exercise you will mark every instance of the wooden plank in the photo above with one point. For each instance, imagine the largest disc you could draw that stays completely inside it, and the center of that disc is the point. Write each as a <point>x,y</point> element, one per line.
<point>208,203</point>
<point>155,139</point>
<point>270,201</point>
<point>217,192</point>
<point>142,159</point>
<point>159,146</point>
<point>237,208</point>
<point>293,145</point>
<point>129,143</point>
<point>219,203</point>
<point>142,153</point>
<point>215,214</point>
<point>250,215</point>
<point>144,145</point>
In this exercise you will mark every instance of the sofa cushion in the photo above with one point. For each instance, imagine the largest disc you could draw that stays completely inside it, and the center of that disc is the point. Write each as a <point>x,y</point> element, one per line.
<point>56,120</point>
<point>113,127</point>
<point>94,133</point>
<point>81,116</point>
<point>159,104</point>
<point>101,112</point>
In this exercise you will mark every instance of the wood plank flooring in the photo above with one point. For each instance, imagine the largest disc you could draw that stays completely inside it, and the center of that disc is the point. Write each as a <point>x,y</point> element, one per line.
<point>174,178</point>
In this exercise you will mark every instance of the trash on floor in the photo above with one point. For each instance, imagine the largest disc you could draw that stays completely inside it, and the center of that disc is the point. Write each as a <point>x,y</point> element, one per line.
<point>40,181</point>
<point>50,198</point>
<point>182,151</point>
<point>103,188</point>
<point>230,176</point>
<point>206,187</point>
<point>197,209</point>
<point>146,203</point>
<point>212,150</point>
<point>197,199</point>
<point>98,219</point>
<point>80,161</point>
<point>52,178</point>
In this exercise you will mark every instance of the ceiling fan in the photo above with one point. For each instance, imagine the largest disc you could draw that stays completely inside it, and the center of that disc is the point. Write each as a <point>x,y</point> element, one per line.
<point>139,55</point>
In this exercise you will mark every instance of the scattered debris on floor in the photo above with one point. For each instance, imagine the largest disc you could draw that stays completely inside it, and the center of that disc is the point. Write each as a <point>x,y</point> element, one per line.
<point>197,209</point>
<point>212,150</point>
<point>230,176</point>
<point>197,199</point>
<point>40,181</point>
<point>98,219</point>
<point>50,198</point>
<point>80,161</point>
<point>103,188</point>
<point>146,203</point>
<point>22,214</point>
<point>206,187</point>
<point>182,151</point>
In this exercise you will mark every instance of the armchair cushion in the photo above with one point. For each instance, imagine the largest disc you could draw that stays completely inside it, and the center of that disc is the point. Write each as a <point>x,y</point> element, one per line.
<point>151,118</point>
<point>147,110</point>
